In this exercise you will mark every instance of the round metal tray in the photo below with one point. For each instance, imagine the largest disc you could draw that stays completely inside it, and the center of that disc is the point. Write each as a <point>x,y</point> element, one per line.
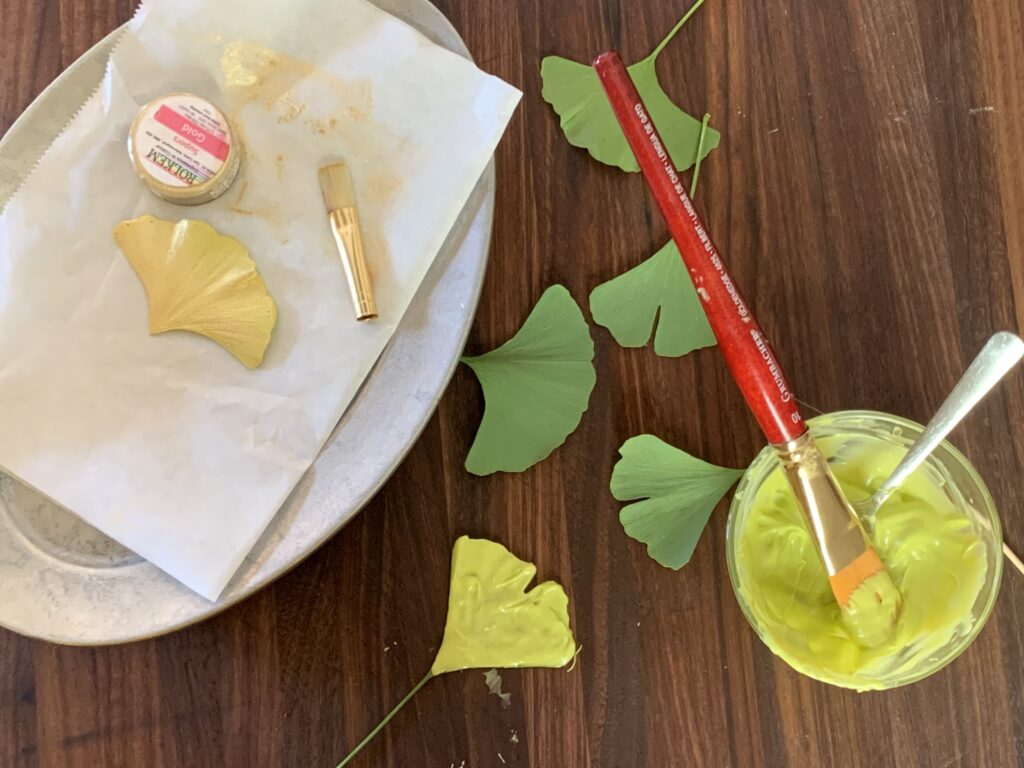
<point>65,582</point>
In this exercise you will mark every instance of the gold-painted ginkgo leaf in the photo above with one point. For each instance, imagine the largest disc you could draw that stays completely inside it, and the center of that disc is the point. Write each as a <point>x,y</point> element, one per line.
<point>199,280</point>
<point>493,621</point>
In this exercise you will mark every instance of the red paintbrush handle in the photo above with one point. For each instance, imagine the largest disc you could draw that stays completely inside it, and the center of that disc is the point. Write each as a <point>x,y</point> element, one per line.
<point>746,350</point>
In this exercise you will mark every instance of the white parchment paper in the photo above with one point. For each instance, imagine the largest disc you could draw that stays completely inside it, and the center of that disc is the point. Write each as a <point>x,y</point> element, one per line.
<point>166,443</point>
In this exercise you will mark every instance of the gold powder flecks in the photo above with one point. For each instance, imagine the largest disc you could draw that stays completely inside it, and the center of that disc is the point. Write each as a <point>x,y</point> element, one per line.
<point>359,97</point>
<point>362,111</point>
<point>383,187</point>
<point>323,125</point>
<point>200,281</point>
<point>236,206</point>
<point>288,110</point>
<point>254,74</point>
<point>357,115</point>
<point>279,166</point>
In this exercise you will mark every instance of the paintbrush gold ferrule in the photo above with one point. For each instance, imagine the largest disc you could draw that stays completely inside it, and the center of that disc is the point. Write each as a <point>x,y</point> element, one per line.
<point>347,235</point>
<point>837,531</point>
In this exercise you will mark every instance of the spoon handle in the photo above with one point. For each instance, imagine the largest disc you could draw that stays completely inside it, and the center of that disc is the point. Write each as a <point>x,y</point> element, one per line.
<point>995,360</point>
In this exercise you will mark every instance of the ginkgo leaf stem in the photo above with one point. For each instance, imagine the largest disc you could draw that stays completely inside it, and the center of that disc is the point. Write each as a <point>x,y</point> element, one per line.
<point>675,29</point>
<point>387,718</point>
<point>700,153</point>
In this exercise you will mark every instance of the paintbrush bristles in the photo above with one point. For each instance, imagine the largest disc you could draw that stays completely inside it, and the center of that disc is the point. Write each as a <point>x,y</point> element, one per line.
<point>336,186</point>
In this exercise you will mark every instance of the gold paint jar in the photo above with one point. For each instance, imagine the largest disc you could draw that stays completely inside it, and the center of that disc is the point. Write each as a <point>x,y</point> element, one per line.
<point>183,149</point>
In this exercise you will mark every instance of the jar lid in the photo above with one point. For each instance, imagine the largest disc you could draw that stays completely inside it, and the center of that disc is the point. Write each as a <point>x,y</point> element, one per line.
<point>183,149</point>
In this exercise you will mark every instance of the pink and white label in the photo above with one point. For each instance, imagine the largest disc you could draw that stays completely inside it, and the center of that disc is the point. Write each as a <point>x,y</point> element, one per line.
<point>192,132</point>
<point>182,140</point>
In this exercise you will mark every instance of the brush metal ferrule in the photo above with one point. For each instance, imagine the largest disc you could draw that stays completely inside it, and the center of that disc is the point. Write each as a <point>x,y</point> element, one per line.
<point>837,531</point>
<point>345,226</point>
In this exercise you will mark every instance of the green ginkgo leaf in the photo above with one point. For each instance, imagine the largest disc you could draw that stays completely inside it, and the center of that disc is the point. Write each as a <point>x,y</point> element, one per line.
<point>587,120</point>
<point>678,492</point>
<point>659,287</point>
<point>536,387</point>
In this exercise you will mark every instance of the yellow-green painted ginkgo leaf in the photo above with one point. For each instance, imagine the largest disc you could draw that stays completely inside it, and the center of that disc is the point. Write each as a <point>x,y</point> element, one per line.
<point>659,287</point>
<point>493,621</point>
<point>575,93</point>
<point>677,494</point>
<point>536,387</point>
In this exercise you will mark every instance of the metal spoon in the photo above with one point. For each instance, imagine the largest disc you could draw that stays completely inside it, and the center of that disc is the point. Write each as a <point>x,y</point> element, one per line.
<point>996,359</point>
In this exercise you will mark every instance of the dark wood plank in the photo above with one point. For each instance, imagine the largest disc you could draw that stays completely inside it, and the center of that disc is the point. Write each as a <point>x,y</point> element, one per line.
<point>869,195</point>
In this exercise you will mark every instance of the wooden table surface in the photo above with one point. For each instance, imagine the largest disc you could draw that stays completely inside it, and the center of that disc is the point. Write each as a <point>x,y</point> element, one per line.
<point>869,197</point>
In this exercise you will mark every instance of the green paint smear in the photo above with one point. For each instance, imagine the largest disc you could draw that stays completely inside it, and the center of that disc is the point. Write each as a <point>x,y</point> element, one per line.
<point>658,288</point>
<point>536,387</point>
<point>678,494</point>
<point>575,93</point>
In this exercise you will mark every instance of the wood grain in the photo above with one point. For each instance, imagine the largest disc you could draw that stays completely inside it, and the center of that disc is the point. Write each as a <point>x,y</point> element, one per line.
<point>869,196</point>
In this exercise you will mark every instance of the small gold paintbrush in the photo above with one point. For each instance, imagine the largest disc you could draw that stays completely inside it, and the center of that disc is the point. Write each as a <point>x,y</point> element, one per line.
<point>339,197</point>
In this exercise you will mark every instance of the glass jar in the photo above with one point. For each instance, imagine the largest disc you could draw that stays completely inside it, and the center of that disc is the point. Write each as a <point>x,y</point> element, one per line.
<point>949,470</point>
